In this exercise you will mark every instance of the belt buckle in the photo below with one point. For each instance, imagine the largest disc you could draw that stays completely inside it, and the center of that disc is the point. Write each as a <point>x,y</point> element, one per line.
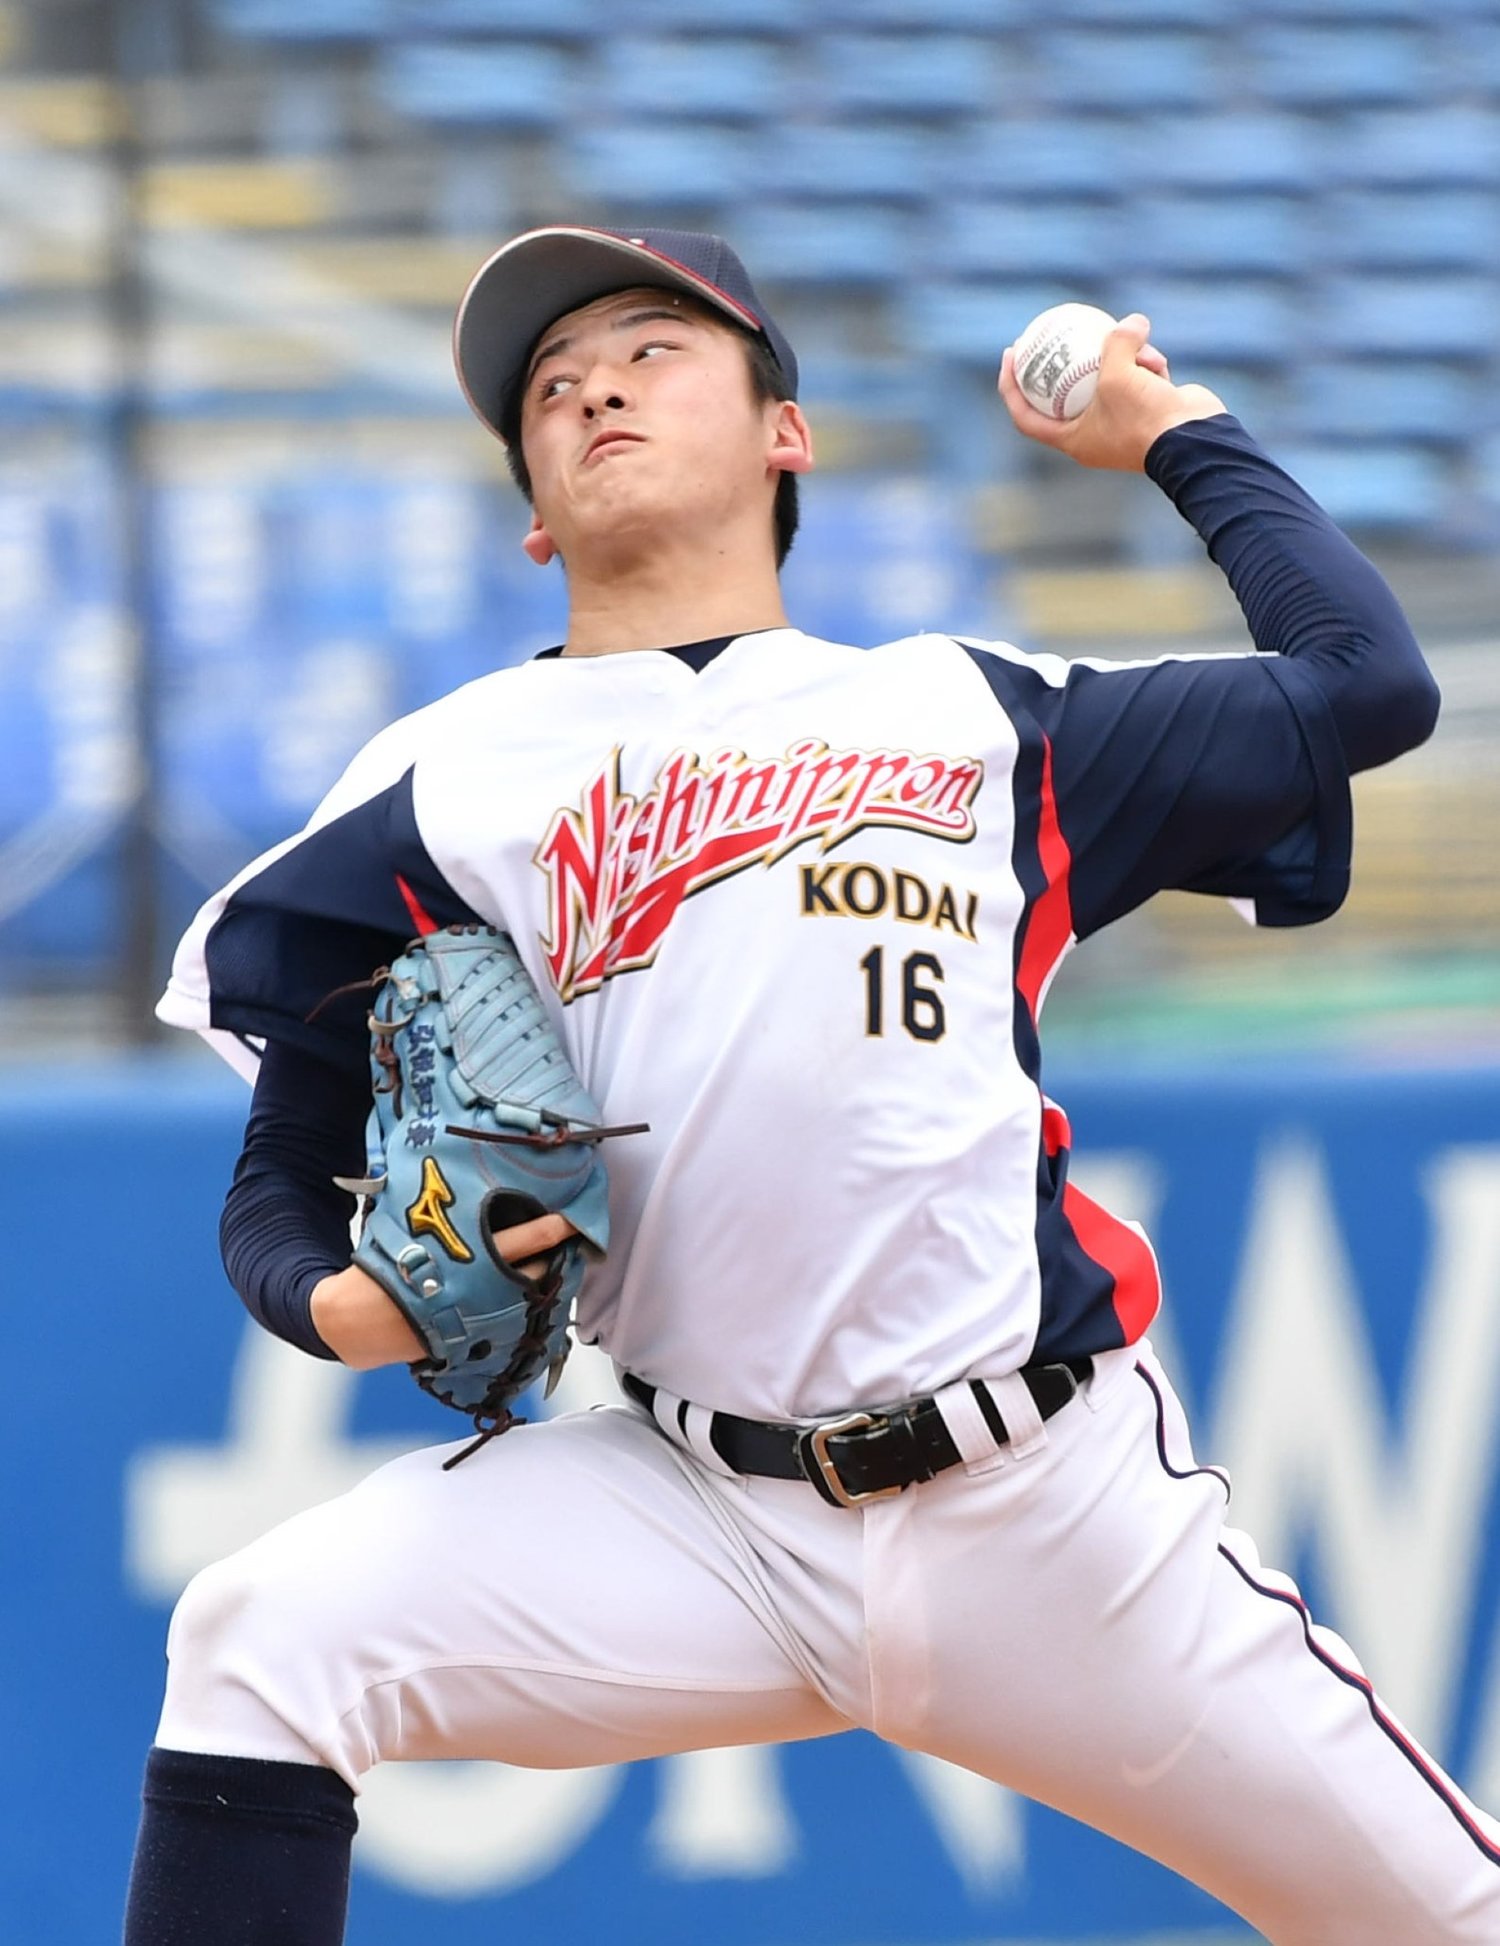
<point>817,1441</point>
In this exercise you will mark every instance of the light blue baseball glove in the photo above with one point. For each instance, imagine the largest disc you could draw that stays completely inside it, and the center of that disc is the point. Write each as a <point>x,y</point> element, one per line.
<point>479,1123</point>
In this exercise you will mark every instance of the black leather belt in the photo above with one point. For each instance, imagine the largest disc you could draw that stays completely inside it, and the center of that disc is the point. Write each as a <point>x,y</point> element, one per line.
<point>866,1455</point>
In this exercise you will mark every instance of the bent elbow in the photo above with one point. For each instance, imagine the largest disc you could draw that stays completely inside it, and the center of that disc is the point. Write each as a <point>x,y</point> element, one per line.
<point>1398,716</point>
<point>1412,713</point>
<point>1427,703</point>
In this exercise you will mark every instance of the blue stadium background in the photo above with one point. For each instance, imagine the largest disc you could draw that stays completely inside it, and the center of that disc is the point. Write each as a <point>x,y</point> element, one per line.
<point>245,519</point>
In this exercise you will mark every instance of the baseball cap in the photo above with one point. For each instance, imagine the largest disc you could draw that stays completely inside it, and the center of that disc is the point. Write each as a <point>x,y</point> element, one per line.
<point>541,275</point>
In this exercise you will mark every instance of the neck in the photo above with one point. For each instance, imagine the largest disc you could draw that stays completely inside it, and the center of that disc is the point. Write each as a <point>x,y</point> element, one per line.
<point>659,603</point>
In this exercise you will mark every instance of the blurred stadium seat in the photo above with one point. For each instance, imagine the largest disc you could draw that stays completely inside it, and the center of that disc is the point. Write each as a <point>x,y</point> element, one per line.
<point>1370,486</point>
<point>884,388</point>
<point>302,20</point>
<point>1320,67</point>
<point>70,934</point>
<point>1197,14</point>
<point>247,194</point>
<point>1050,157</point>
<point>1147,13</point>
<point>1475,53</point>
<point>904,75</point>
<point>973,323</point>
<point>1124,71</point>
<point>1024,240</point>
<point>532,19</point>
<point>797,243</point>
<point>1224,321</point>
<point>671,166</point>
<point>1487,475</point>
<point>1422,147</point>
<point>1409,317</point>
<point>1362,13</point>
<point>882,558</point>
<point>510,85</point>
<point>1442,229</point>
<point>725,16</point>
<point>1423,404</point>
<point>1249,236</point>
<point>705,79</point>
<point>872,161</point>
<point>1237,151</point>
<point>973,16</point>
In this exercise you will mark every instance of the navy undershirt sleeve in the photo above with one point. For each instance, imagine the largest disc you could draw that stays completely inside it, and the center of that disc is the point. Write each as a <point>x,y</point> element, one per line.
<point>1225,774</point>
<point>1307,592</point>
<point>285,1224</point>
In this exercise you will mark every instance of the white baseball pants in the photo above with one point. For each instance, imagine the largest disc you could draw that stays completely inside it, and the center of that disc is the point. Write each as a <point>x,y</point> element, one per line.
<point>1067,1615</point>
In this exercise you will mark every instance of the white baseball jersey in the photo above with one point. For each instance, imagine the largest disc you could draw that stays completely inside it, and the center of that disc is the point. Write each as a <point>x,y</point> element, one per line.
<point>777,870</point>
<point>797,906</point>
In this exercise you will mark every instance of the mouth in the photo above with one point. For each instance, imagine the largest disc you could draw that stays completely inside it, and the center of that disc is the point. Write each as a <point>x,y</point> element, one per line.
<point>605,440</point>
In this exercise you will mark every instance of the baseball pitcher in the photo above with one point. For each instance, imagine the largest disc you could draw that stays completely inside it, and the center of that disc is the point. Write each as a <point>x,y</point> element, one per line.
<point>683,987</point>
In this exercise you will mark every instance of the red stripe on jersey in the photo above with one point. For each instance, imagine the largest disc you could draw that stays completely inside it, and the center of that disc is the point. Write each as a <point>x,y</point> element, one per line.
<point>1124,1253</point>
<point>1057,1135</point>
<point>420,917</point>
<point>1049,924</point>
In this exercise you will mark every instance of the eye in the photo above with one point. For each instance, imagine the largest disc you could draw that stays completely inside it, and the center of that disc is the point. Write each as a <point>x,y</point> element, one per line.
<point>655,344</point>
<point>549,387</point>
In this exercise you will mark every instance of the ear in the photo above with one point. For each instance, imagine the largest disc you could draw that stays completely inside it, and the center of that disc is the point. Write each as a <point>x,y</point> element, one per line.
<point>791,448</point>
<point>539,545</point>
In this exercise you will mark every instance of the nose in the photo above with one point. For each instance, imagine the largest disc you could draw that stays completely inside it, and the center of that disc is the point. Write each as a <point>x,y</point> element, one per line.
<point>602,390</point>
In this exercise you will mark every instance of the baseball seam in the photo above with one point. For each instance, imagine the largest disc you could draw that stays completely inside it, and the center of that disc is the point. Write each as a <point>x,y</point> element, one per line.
<point>1070,379</point>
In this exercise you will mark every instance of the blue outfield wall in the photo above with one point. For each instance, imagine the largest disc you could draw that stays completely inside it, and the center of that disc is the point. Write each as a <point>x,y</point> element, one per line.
<point>1331,1245</point>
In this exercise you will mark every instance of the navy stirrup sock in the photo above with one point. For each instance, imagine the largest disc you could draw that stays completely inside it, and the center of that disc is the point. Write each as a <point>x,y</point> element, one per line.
<point>234,1850</point>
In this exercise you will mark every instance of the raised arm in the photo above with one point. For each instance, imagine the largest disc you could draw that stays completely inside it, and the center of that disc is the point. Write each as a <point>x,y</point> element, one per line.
<point>1306,591</point>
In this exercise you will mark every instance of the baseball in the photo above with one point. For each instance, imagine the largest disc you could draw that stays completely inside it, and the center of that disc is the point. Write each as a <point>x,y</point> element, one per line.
<point>1057,358</point>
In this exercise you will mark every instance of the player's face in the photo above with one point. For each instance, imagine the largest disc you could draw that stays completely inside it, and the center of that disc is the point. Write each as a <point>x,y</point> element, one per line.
<point>638,419</point>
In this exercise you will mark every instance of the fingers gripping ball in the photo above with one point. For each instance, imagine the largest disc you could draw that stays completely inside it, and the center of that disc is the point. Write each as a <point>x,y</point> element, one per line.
<point>479,1123</point>
<point>1057,358</point>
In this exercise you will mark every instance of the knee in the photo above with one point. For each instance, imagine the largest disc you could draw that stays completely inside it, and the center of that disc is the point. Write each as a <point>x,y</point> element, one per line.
<point>225,1619</point>
<point>241,1674</point>
<point>210,1612</point>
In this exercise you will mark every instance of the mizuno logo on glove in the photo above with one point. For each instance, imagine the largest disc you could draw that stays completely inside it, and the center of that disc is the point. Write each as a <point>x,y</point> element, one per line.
<point>428,1215</point>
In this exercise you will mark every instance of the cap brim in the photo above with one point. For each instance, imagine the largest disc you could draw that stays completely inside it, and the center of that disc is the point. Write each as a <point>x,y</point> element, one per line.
<point>537,278</point>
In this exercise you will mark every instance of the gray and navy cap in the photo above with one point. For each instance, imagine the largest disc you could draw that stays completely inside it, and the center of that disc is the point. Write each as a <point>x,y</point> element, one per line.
<point>541,275</point>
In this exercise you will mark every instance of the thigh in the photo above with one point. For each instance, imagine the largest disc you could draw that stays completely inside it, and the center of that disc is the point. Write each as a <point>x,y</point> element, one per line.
<point>1113,1650</point>
<point>568,1595</point>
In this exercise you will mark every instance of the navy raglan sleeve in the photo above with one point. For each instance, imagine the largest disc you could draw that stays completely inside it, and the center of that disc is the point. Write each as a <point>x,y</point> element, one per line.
<point>325,913</point>
<point>1226,774</point>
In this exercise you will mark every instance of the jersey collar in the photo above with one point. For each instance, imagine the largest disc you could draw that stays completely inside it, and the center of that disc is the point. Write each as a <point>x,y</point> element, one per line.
<point>697,655</point>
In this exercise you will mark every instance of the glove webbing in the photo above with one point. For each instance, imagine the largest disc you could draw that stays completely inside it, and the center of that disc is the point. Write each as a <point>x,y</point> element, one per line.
<point>538,1323</point>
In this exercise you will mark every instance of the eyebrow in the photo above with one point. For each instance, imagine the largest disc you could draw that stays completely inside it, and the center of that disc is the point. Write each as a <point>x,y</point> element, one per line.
<point>554,347</point>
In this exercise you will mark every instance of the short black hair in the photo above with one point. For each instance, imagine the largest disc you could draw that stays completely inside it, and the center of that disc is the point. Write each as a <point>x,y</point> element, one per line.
<point>767,383</point>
